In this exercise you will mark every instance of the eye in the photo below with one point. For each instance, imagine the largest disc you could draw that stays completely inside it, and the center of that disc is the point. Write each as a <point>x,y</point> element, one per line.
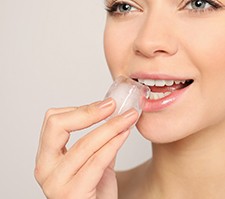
<point>201,5</point>
<point>121,8</point>
<point>124,8</point>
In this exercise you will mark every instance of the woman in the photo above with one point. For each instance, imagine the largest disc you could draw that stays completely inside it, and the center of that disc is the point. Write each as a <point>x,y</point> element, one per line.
<point>175,47</point>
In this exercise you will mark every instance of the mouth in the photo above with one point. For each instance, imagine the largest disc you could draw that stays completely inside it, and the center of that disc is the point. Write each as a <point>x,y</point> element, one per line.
<point>160,89</point>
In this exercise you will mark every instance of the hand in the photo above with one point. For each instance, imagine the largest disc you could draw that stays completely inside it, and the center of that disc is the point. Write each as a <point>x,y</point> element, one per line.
<point>85,171</point>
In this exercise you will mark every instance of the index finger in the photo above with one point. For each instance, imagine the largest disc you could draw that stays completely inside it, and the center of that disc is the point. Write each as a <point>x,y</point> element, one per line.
<point>57,129</point>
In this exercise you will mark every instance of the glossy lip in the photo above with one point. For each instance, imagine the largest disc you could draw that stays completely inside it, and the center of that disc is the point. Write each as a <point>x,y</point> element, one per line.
<point>160,104</point>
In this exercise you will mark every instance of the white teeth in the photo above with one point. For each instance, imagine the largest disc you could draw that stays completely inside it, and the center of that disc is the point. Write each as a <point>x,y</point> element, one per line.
<point>160,83</point>
<point>169,82</point>
<point>167,93</point>
<point>148,82</point>
<point>156,96</point>
<point>141,81</point>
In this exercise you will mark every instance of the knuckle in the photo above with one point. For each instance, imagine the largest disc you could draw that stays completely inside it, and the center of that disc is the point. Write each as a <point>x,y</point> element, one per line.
<point>90,113</point>
<point>38,174</point>
<point>90,110</point>
<point>53,121</point>
<point>50,112</point>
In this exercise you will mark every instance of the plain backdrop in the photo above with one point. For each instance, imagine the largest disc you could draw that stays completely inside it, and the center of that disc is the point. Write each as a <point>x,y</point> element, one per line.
<point>51,55</point>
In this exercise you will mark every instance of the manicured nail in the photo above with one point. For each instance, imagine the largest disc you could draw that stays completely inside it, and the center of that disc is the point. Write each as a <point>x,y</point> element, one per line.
<point>130,113</point>
<point>105,103</point>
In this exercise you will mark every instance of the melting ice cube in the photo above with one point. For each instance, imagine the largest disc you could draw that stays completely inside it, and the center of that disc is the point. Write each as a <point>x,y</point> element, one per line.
<point>128,94</point>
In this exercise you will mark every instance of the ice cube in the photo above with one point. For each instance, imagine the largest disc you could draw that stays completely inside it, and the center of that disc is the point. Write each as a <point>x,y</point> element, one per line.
<point>128,94</point>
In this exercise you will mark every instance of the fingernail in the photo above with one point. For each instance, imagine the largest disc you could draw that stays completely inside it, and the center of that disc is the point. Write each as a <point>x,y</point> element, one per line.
<point>105,104</point>
<point>130,113</point>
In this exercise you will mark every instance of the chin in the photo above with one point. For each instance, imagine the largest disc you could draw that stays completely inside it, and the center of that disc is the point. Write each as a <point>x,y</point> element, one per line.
<point>161,132</point>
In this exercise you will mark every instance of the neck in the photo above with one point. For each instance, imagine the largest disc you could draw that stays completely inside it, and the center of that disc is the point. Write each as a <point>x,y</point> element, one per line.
<point>194,165</point>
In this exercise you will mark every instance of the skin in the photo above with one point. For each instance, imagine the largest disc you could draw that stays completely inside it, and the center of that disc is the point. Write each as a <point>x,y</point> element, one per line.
<point>188,136</point>
<point>86,169</point>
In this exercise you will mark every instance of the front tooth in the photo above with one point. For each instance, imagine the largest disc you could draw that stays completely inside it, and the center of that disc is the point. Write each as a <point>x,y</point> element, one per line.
<point>149,82</point>
<point>169,82</point>
<point>160,83</point>
<point>141,81</point>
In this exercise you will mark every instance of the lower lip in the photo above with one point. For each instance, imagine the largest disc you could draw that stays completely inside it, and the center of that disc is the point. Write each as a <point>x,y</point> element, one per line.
<point>163,103</point>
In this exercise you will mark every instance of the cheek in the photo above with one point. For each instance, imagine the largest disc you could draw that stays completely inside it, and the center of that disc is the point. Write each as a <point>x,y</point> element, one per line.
<point>204,43</point>
<point>112,51</point>
<point>118,46</point>
<point>206,49</point>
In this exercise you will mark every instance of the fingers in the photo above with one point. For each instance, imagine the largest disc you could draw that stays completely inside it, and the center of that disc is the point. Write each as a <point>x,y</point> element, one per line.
<point>95,150</point>
<point>57,126</point>
<point>41,169</point>
<point>96,165</point>
<point>96,168</point>
<point>87,146</point>
<point>49,113</point>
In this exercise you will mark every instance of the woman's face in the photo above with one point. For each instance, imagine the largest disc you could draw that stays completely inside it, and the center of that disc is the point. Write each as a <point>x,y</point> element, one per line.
<point>177,47</point>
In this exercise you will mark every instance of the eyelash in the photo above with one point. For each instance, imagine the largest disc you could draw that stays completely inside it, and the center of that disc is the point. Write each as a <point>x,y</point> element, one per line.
<point>212,6</point>
<point>113,8</point>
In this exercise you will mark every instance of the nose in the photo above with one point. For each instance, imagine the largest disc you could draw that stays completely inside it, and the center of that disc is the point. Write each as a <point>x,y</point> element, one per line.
<point>155,37</point>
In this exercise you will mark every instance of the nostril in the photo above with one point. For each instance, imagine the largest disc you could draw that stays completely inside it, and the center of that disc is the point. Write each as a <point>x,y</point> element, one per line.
<point>150,44</point>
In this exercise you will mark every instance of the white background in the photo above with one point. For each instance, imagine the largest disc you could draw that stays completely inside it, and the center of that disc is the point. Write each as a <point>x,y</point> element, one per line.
<point>51,55</point>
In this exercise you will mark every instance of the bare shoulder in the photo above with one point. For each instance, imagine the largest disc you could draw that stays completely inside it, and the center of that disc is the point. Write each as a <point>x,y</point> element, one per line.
<point>131,182</point>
